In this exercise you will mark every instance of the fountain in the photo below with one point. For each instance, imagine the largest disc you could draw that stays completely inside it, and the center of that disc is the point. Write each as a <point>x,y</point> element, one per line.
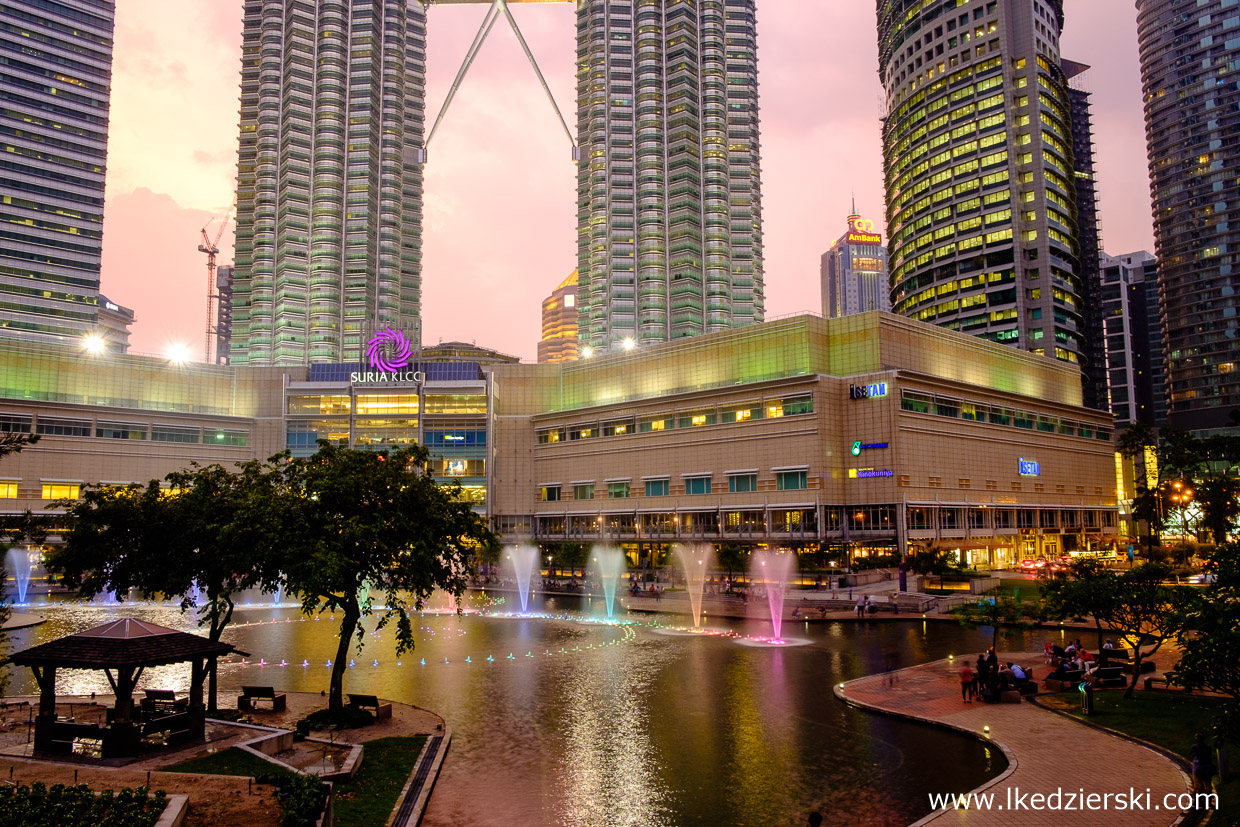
<point>608,563</point>
<point>20,562</point>
<point>524,559</point>
<point>772,570</point>
<point>696,559</point>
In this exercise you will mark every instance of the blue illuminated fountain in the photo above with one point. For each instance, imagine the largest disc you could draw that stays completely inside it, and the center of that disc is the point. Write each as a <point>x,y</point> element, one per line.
<point>523,558</point>
<point>608,562</point>
<point>20,562</point>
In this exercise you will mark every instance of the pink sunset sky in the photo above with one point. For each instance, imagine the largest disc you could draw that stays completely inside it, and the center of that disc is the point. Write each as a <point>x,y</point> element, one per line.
<point>500,230</point>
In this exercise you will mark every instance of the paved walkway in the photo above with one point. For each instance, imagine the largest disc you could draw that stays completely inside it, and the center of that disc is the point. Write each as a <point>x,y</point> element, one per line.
<point>1046,751</point>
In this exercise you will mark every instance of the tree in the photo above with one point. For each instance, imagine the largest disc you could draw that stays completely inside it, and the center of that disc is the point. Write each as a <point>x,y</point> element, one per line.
<point>1145,609</point>
<point>14,443</point>
<point>732,557</point>
<point>207,536</point>
<point>1210,638</point>
<point>1219,498</point>
<point>356,524</point>
<point>1086,590</point>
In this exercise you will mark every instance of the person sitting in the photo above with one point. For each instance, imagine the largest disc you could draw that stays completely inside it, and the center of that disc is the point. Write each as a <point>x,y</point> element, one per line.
<point>1085,657</point>
<point>1017,672</point>
<point>1049,651</point>
<point>1070,649</point>
<point>1108,644</point>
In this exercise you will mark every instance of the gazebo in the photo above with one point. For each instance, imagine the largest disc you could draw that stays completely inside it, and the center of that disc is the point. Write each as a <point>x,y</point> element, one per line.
<point>122,649</point>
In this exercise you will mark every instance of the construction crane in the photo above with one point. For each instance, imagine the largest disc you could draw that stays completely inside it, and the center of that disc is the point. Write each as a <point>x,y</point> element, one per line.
<point>212,249</point>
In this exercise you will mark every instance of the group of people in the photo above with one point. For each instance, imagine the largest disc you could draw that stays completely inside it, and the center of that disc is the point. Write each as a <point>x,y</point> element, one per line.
<point>990,678</point>
<point>1074,659</point>
<point>865,605</point>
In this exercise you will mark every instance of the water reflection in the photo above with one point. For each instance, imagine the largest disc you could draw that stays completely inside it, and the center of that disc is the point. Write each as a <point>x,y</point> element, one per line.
<point>589,724</point>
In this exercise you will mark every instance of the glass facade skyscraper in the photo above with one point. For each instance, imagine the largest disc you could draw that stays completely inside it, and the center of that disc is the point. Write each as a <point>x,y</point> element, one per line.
<point>1190,72</point>
<point>977,151</point>
<point>329,177</point>
<point>55,85</point>
<point>668,187</point>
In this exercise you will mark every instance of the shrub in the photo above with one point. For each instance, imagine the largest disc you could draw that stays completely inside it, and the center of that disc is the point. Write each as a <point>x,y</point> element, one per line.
<point>41,806</point>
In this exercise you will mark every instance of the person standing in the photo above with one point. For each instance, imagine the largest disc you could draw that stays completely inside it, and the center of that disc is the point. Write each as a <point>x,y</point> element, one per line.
<point>860,607</point>
<point>966,682</point>
<point>1202,758</point>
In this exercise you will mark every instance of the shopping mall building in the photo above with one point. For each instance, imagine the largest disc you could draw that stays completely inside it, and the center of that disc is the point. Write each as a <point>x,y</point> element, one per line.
<point>869,432</point>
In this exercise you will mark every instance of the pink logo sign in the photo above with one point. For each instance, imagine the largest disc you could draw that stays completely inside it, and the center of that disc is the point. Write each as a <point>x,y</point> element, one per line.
<point>388,350</point>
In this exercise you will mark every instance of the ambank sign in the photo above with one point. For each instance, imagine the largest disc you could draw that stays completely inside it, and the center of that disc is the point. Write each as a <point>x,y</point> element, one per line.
<point>388,352</point>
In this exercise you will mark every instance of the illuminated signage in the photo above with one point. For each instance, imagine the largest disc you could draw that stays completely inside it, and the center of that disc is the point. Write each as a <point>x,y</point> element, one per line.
<point>1029,468</point>
<point>867,391</point>
<point>868,473</point>
<point>570,300</point>
<point>111,306</point>
<point>388,352</point>
<point>861,231</point>
<point>858,447</point>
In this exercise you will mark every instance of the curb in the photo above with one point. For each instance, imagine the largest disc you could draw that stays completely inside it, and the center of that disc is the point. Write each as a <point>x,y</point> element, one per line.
<point>840,692</point>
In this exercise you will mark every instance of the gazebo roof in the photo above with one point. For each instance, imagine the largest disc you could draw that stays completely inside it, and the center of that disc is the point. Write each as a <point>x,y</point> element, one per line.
<point>122,643</point>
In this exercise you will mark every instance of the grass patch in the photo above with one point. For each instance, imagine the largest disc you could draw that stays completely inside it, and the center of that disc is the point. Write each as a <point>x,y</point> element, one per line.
<point>231,761</point>
<point>370,797</point>
<point>1169,720</point>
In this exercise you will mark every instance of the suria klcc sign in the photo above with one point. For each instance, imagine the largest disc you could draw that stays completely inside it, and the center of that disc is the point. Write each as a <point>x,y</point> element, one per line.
<point>388,353</point>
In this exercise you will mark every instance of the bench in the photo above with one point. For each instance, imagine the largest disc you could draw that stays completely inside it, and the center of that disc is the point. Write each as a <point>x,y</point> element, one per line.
<point>1167,685</point>
<point>160,702</point>
<point>1109,676</point>
<point>250,695</point>
<point>371,702</point>
<point>1063,681</point>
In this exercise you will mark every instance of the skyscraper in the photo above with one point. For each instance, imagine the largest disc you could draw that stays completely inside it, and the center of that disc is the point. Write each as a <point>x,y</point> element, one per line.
<point>329,181</point>
<point>668,187</point>
<point>1093,348</point>
<point>55,84</point>
<point>559,323</point>
<point>854,271</point>
<point>1133,340</point>
<point>1189,54</point>
<point>977,149</point>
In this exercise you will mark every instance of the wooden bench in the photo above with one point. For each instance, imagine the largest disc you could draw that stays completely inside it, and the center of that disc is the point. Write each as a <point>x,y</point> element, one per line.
<point>371,702</point>
<point>1109,676</point>
<point>1167,686</point>
<point>250,695</point>
<point>160,702</point>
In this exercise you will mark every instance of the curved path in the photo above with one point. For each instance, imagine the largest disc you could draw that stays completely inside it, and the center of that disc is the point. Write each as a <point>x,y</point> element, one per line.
<point>1046,752</point>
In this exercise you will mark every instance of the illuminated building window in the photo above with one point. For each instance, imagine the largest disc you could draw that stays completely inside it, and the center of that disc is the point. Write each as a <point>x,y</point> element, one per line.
<point>8,490</point>
<point>549,494</point>
<point>60,491</point>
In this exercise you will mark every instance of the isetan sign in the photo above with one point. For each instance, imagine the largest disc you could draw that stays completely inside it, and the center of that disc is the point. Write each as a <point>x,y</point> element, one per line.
<point>388,353</point>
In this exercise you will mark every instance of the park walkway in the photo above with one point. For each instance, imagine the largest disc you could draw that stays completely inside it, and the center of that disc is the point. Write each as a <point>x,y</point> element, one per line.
<point>1046,751</point>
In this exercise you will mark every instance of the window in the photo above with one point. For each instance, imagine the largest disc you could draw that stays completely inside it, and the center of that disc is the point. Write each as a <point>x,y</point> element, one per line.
<point>63,427</point>
<point>60,491</point>
<point>171,433</point>
<point>657,424</point>
<point>617,428</point>
<point>947,407</point>
<point>583,432</point>
<point>798,405</point>
<point>549,436</point>
<point>119,430</point>
<point>226,437</point>
<point>697,485</point>
<point>742,483</point>
<point>915,402</point>
<point>14,424</point>
<point>696,419</point>
<point>656,488</point>
<point>549,494</point>
<point>583,492</point>
<point>617,490</point>
<point>8,490</point>
<point>790,480</point>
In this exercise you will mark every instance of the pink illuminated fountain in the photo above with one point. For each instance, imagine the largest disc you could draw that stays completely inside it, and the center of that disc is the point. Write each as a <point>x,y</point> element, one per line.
<point>770,572</point>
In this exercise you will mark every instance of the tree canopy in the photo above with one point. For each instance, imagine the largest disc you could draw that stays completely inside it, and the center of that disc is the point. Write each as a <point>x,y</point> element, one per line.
<point>1210,638</point>
<point>361,525</point>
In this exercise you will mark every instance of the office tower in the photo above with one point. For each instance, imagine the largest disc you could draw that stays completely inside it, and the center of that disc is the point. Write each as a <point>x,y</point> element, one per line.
<point>1133,341</point>
<point>977,149</point>
<point>329,184</point>
<point>854,271</point>
<point>1189,53</point>
<point>113,325</point>
<point>668,189</point>
<point>559,323</point>
<point>223,313</point>
<point>55,84</point>
<point>1093,349</point>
